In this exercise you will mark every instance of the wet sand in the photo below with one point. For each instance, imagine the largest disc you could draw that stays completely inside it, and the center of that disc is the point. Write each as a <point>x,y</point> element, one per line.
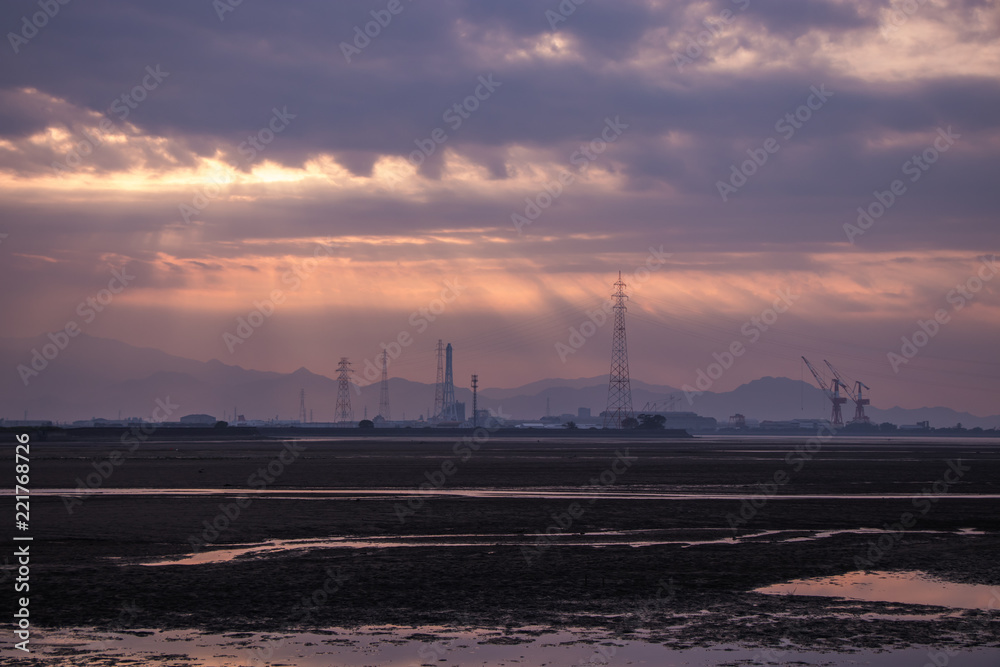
<point>666,568</point>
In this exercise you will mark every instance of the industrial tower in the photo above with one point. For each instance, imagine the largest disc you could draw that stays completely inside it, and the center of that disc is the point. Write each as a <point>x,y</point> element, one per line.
<point>475,401</point>
<point>619,389</point>
<point>857,395</point>
<point>832,392</point>
<point>450,411</point>
<point>302,406</point>
<point>345,415</point>
<point>439,383</point>
<point>383,393</point>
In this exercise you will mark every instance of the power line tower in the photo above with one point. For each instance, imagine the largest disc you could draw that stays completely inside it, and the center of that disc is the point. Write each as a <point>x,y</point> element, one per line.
<point>383,393</point>
<point>302,406</point>
<point>475,392</point>
<point>345,415</point>
<point>439,384</point>
<point>619,388</point>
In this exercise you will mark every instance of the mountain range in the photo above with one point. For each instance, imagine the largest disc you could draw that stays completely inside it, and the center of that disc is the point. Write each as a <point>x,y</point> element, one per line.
<point>100,377</point>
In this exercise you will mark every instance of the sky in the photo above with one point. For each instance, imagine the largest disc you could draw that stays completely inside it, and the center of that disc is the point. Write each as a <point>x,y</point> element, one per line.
<point>773,178</point>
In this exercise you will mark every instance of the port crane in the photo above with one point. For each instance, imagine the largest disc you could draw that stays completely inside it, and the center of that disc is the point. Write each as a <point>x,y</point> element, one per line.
<point>669,405</point>
<point>832,392</point>
<point>857,395</point>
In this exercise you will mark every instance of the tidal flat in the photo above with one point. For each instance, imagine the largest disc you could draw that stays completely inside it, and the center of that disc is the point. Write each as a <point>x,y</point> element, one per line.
<point>548,546</point>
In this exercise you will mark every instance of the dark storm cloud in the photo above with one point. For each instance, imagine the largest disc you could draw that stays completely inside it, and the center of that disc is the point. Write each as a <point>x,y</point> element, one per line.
<point>791,18</point>
<point>227,76</point>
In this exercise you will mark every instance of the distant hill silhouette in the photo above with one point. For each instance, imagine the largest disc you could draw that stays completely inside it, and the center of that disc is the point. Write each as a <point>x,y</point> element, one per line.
<point>98,377</point>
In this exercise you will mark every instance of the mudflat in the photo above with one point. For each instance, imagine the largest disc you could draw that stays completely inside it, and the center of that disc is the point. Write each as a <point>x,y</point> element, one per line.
<point>669,537</point>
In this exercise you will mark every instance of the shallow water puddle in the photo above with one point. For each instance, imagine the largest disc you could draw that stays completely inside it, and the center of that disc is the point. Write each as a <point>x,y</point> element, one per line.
<point>595,540</point>
<point>900,587</point>
<point>534,493</point>
<point>427,645</point>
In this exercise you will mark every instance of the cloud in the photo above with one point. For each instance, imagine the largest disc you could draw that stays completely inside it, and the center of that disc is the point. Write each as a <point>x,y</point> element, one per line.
<point>340,171</point>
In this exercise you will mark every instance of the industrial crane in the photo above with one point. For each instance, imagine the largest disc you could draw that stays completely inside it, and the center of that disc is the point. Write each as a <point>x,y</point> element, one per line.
<point>857,395</point>
<point>832,392</point>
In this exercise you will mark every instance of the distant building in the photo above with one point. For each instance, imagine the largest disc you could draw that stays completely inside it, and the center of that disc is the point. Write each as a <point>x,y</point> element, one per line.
<point>198,420</point>
<point>919,426</point>
<point>689,421</point>
<point>486,419</point>
<point>583,413</point>
<point>795,424</point>
<point>18,423</point>
<point>110,423</point>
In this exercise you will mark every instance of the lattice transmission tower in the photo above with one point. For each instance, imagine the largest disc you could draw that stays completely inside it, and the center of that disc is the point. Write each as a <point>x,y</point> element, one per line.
<point>619,389</point>
<point>302,406</point>
<point>345,415</point>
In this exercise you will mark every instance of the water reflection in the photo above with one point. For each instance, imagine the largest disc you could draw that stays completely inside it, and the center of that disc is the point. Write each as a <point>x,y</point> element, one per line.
<point>907,587</point>
<point>536,493</point>
<point>399,646</point>
<point>618,538</point>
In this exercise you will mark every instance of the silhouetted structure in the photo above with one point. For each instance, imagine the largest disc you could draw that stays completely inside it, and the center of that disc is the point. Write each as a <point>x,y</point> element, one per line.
<point>832,392</point>
<point>449,412</point>
<point>383,393</point>
<point>475,402</point>
<point>857,395</point>
<point>439,383</point>
<point>345,415</point>
<point>619,388</point>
